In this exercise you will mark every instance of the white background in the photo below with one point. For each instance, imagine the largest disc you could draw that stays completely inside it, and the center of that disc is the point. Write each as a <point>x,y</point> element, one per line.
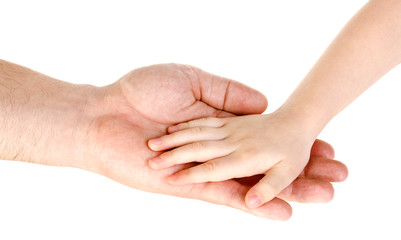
<point>269,45</point>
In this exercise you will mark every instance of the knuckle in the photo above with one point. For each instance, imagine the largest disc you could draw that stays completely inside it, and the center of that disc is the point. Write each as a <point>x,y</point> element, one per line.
<point>206,121</point>
<point>196,130</point>
<point>211,119</point>
<point>209,166</point>
<point>185,125</point>
<point>198,146</point>
<point>196,122</point>
<point>244,154</point>
<point>203,120</point>
<point>188,124</point>
<point>292,170</point>
<point>219,121</point>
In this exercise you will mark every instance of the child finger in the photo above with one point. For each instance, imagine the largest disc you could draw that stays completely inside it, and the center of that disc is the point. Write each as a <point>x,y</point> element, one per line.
<point>219,169</point>
<point>186,136</point>
<point>202,122</point>
<point>232,193</point>
<point>274,181</point>
<point>193,152</point>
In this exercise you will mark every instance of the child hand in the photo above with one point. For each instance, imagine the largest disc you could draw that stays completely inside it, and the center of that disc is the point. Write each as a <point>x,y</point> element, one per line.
<point>235,147</point>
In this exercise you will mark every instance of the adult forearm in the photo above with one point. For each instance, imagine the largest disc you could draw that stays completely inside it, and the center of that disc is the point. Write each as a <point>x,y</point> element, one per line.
<point>368,47</point>
<point>39,116</point>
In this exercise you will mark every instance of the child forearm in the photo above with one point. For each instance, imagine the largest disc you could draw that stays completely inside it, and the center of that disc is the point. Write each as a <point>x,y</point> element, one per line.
<point>367,48</point>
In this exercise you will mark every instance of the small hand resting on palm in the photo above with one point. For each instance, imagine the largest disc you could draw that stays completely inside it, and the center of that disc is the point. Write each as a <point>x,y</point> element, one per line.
<point>278,144</point>
<point>236,147</point>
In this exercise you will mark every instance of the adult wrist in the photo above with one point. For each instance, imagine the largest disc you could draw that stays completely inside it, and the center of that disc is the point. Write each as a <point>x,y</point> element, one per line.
<point>43,120</point>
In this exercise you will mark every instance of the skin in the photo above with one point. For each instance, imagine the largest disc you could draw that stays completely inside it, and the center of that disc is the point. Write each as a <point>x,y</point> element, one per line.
<point>278,145</point>
<point>105,130</point>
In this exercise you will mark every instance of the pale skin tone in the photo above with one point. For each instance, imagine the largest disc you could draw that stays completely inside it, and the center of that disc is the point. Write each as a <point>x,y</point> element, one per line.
<point>278,145</point>
<point>105,130</point>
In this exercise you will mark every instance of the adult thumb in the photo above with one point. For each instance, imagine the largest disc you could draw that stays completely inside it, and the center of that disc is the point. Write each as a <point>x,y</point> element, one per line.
<point>229,95</point>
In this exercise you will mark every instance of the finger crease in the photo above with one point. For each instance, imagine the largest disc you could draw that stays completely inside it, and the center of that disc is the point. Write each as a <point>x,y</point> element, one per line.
<point>226,95</point>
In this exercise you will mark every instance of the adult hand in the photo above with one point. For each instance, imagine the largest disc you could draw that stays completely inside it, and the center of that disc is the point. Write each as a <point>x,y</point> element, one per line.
<point>143,103</point>
<point>104,130</point>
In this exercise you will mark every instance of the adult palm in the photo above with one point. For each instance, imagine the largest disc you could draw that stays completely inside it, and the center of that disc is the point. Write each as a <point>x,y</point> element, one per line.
<point>144,102</point>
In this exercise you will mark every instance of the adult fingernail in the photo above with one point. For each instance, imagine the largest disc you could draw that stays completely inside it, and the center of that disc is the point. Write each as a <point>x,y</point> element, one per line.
<point>254,201</point>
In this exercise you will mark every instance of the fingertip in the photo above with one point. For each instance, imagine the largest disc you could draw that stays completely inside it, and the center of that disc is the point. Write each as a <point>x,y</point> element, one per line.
<point>171,180</point>
<point>326,169</point>
<point>155,144</point>
<point>255,198</point>
<point>155,163</point>
<point>285,215</point>
<point>276,209</point>
<point>319,192</point>
<point>274,181</point>
<point>175,179</point>
<point>242,99</point>
<point>253,201</point>
<point>329,194</point>
<point>304,190</point>
<point>173,129</point>
<point>264,102</point>
<point>151,164</point>
<point>322,149</point>
<point>342,172</point>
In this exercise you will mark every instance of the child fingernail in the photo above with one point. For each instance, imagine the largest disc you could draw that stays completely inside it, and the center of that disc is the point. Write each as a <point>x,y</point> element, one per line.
<point>156,160</point>
<point>254,201</point>
<point>172,179</point>
<point>173,128</point>
<point>155,142</point>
